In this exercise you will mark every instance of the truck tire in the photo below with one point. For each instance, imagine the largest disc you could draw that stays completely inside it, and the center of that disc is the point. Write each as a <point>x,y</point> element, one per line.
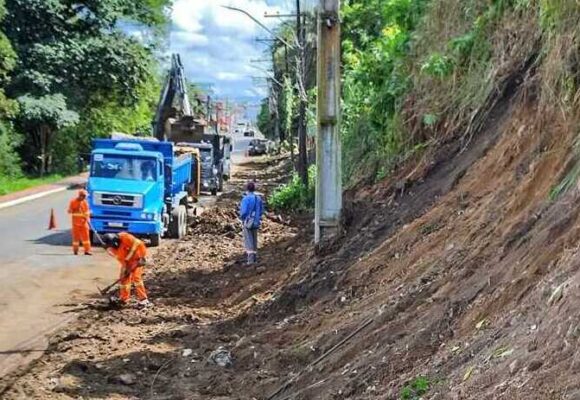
<point>174,224</point>
<point>155,239</point>
<point>214,192</point>
<point>221,183</point>
<point>178,224</point>
<point>183,221</point>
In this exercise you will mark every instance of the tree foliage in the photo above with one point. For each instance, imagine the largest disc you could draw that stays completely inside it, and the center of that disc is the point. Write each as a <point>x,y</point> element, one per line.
<point>9,158</point>
<point>265,120</point>
<point>80,73</point>
<point>43,117</point>
<point>376,43</point>
<point>75,49</point>
<point>7,64</point>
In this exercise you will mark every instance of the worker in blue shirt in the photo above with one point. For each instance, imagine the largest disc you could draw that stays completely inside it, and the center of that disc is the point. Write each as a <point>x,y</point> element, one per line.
<point>251,209</point>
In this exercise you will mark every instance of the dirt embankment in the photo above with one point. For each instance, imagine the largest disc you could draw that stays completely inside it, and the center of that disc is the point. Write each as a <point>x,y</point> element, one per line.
<point>457,278</point>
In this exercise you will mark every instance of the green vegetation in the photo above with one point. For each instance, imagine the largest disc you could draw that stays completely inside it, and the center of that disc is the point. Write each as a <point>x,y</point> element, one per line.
<point>415,389</point>
<point>9,184</point>
<point>377,78</point>
<point>417,71</point>
<point>295,196</point>
<point>72,71</point>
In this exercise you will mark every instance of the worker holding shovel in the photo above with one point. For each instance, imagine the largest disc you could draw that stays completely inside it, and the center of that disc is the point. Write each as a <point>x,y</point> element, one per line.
<point>131,253</point>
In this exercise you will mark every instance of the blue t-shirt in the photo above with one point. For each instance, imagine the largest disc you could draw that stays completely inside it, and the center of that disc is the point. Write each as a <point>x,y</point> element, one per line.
<point>252,202</point>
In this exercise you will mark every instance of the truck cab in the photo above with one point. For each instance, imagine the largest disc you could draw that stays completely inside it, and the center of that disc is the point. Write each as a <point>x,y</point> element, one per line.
<point>138,187</point>
<point>210,176</point>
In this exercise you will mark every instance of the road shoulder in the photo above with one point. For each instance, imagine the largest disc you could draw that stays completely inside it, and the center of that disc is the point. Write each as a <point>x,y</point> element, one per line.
<point>37,192</point>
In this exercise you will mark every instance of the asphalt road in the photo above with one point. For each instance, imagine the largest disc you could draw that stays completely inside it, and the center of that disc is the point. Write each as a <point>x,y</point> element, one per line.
<point>40,279</point>
<point>25,236</point>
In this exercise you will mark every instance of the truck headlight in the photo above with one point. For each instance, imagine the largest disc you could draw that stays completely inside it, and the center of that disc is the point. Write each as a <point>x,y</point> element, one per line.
<point>148,216</point>
<point>215,170</point>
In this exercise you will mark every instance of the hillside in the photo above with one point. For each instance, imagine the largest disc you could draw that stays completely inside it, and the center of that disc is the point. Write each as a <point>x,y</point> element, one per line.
<point>456,276</point>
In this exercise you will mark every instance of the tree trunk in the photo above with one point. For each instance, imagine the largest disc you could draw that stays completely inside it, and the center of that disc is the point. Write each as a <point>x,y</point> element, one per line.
<point>45,136</point>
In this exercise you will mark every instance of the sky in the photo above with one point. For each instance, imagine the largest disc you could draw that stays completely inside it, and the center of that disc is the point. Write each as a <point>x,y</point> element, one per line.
<point>216,44</point>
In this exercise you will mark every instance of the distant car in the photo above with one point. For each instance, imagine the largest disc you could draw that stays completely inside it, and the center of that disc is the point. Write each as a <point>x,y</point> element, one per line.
<point>257,147</point>
<point>249,133</point>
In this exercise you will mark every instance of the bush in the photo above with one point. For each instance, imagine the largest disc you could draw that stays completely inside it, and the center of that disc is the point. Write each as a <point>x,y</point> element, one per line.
<point>10,163</point>
<point>294,196</point>
<point>438,66</point>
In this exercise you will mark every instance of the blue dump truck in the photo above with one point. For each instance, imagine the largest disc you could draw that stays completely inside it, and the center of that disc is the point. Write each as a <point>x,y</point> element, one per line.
<point>140,187</point>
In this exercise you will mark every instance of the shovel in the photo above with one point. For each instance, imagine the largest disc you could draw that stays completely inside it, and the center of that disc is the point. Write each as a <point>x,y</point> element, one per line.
<point>107,289</point>
<point>99,238</point>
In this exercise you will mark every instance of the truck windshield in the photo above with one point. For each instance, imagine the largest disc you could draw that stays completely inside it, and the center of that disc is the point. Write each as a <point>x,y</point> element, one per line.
<point>128,168</point>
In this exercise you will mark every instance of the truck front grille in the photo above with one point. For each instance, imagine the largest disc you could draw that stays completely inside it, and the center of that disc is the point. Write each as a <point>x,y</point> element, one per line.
<point>117,200</point>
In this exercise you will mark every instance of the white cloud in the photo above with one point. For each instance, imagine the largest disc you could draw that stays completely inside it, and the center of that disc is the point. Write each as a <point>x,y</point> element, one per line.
<point>228,76</point>
<point>217,44</point>
<point>189,39</point>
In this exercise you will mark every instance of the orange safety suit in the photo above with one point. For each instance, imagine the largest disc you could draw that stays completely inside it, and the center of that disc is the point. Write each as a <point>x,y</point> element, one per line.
<point>79,210</point>
<point>130,253</point>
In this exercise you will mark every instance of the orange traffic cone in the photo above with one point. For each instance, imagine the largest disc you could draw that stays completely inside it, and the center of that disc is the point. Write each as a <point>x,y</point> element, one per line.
<point>52,221</point>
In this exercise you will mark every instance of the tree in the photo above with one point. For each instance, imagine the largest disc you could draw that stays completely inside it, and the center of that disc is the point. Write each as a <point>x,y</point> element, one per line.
<point>81,54</point>
<point>43,117</point>
<point>265,120</point>
<point>7,63</point>
<point>9,159</point>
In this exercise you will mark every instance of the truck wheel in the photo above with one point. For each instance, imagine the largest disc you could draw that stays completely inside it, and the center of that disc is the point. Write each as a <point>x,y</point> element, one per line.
<point>174,225</point>
<point>221,184</point>
<point>214,192</point>
<point>155,239</point>
<point>183,221</point>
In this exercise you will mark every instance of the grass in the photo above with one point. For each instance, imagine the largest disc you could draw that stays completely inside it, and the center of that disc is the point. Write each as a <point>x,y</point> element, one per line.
<point>11,185</point>
<point>415,389</point>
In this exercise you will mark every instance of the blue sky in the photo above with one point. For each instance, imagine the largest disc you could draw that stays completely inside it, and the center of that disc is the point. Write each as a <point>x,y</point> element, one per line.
<point>216,44</point>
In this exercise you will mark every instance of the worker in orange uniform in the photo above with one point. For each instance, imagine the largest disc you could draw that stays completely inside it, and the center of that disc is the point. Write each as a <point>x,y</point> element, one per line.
<point>131,253</point>
<point>78,208</point>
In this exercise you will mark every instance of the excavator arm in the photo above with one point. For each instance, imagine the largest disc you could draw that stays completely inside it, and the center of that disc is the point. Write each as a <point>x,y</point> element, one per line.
<point>174,102</point>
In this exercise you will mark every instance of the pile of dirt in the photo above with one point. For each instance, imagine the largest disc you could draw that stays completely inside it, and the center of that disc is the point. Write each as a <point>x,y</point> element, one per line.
<point>217,221</point>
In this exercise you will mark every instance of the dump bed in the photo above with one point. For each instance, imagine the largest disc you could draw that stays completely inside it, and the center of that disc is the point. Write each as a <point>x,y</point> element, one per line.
<point>181,175</point>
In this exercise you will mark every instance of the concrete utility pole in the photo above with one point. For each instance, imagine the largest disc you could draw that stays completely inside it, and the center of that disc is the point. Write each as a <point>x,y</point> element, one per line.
<point>328,206</point>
